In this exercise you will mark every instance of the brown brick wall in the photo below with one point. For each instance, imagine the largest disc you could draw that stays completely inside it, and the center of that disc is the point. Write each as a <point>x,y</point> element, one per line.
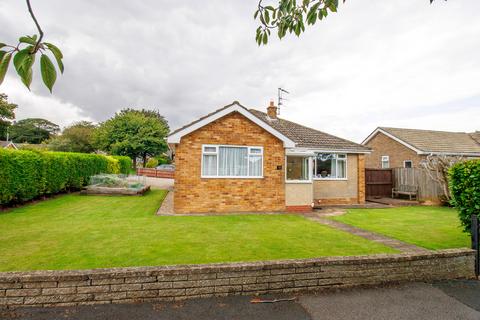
<point>194,194</point>
<point>385,146</point>
<point>361,178</point>
<point>168,283</point>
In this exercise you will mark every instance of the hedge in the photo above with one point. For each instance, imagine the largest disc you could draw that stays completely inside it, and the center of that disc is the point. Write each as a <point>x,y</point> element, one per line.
<point>464,184</point>
<point>26,175</point>
<point>125,163</point>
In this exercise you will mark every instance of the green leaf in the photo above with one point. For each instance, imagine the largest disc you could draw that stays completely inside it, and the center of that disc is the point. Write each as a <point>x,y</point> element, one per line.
<point>2,45</point>
<point>28,40</point>
<point>57,54</point>
<point>23,62</point>
<point>4,62</point>
<point>265,38</point>
<point>49,75</point>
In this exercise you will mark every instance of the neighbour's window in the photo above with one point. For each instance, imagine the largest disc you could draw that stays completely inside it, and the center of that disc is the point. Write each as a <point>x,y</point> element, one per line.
<point>330,166</point>
<point>297,168</point>
<point>407,164</point>
<point>232,161</point>
<point>385,162</point>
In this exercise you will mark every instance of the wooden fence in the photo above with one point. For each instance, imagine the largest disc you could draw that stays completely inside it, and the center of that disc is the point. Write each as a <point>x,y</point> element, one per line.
<point>151,172</point>
<point>428,189</point>
<point>378,182</point>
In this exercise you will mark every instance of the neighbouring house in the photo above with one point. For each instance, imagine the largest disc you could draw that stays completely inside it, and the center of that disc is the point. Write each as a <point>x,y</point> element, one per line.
<point>243,160</point>
<point>407,148</point>
<point>7,145</point>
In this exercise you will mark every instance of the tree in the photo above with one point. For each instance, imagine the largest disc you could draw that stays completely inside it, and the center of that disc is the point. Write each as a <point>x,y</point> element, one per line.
<point>133,133</point>
<point>437,168</point>
<point>76,138</point>
<point>291,16</point>
<point>24,54</point>
<point>7,113</point>
<point>33,130</point>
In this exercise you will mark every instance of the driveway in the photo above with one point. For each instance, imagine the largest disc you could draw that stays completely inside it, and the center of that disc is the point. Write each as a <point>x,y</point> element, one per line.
<point>443,300</point>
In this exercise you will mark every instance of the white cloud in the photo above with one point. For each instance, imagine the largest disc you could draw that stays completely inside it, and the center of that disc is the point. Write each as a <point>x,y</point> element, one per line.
<point>374,63</point>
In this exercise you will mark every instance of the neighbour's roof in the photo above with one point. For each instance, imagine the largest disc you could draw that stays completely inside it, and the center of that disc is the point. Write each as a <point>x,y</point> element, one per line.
<point>475,136</point>
<point>305,137</point>
<point>5,144</point>
<point>437,142</point>
<point>302,136</point>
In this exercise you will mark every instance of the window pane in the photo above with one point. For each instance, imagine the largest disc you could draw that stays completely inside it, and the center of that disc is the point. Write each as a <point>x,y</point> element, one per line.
<point>209,165</point>
<point>256,150</point>
<point>255,166</point>
<point>324,165</point>
<point>341,166</point>
<point>209,149</point>
<point>232,161</point>
<point>297,168</point>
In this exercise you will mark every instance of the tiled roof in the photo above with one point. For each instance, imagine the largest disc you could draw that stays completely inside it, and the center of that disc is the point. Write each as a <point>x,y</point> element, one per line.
<point>303,137</point>
<point>436,141</point>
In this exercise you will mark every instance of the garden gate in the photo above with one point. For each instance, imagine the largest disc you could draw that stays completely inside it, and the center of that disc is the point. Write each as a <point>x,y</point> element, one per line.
<point>378,182</point>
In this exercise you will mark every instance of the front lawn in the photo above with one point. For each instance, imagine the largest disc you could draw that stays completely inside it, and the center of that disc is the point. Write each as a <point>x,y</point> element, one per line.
<point>78,232</point>
<point>425,226</point>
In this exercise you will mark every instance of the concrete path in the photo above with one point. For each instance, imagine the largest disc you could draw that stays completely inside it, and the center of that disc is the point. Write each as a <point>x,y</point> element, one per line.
<point>389,242</point>
<point>444,300</point>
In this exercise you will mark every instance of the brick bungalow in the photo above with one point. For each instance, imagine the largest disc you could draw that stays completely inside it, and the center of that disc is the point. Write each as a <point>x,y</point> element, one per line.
<point>406,148</point>
<point>243,160</point>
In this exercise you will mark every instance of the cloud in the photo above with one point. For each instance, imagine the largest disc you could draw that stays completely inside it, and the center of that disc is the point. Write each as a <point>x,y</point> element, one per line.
<point>374,63</point>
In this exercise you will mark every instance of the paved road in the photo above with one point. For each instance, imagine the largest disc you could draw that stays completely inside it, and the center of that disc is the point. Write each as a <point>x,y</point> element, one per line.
<point>444,300</point>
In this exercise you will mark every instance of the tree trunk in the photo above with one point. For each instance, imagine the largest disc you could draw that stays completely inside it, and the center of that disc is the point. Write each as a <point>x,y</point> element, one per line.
<point>144,158</point>
<point>134,159</point>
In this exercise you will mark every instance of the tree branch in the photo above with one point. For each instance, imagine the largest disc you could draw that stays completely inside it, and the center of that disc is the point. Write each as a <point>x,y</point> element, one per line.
<point>37,45</point>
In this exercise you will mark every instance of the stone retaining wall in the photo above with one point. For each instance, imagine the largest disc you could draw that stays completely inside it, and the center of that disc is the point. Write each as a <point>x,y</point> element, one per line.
<point>144,284</point>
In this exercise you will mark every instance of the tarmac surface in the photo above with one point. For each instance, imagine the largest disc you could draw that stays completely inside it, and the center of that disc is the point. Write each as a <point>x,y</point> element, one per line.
<point>443,300</point>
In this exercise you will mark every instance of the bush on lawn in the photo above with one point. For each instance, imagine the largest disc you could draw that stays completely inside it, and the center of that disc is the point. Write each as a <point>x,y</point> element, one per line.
<point>26,175</point>
<point>125,163</point>
<point>464,183</point>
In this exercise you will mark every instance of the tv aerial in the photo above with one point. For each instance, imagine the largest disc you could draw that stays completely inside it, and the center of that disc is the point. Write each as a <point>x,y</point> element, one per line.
<point>281,97</point>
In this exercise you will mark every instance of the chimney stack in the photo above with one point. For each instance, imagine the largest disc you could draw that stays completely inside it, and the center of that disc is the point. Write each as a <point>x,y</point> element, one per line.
<point>272,110</point>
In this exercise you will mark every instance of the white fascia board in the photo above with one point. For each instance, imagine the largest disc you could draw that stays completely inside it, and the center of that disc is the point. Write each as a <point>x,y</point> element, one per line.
<point>319,150</point>
<point>418,151</point>
<point>175,138</point>
<point>464,154</point>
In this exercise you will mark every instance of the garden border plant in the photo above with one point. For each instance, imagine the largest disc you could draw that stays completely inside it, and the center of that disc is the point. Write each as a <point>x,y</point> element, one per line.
<point>26,175</point>
<point>464,183</point>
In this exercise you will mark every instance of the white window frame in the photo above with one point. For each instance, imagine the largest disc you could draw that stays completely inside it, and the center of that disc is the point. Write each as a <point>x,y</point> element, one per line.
<point>310,162</point>
<point>336,159</point>
<point>385,159</point>
<point>217,146</point>
<point>405,161</point>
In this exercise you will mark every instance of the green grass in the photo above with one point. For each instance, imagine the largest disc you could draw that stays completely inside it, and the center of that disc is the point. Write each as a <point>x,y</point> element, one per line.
<point>425,226</point>
<point>78,232</point>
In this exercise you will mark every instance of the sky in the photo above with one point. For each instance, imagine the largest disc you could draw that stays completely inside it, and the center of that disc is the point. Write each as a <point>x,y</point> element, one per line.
<point>397,63</point>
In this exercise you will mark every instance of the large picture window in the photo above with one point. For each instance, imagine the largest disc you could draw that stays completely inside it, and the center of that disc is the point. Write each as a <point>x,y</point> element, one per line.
<point>330,166</point>
<point>232,161</point>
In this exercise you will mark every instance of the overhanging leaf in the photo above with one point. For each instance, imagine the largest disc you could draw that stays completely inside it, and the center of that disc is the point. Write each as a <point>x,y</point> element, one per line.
<point>2,45</point>
<point>57,54</point>
<point>23,62</point>
<point>4,62</point>
<point>47,69</point>
<point>27,39</point>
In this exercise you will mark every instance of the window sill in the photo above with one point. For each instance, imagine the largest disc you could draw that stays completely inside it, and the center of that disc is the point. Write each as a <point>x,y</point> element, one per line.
<point>230,177</point>
<point>330,179</point>
<point>298,181</point>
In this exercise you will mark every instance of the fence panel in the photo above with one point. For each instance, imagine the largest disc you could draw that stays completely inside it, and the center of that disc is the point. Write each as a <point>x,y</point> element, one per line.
<point>378,182</point>
<point>428,189</point>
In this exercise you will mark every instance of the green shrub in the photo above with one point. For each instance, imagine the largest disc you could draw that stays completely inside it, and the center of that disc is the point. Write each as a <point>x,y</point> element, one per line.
<point>152,163</point>
<point>26,175</point>
<point>163,160</point>
<point>125,164</point>
<point>464,183</point>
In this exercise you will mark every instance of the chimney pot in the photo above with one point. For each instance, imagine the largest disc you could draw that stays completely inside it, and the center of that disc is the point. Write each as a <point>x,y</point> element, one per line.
<point>272,110</point>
